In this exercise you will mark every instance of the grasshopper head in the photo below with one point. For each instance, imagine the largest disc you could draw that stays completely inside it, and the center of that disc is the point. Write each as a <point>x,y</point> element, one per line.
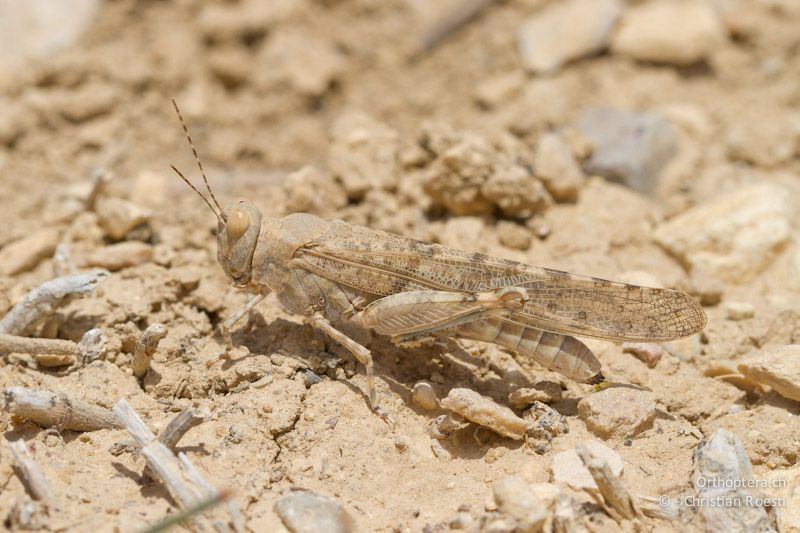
<point>237,236</point>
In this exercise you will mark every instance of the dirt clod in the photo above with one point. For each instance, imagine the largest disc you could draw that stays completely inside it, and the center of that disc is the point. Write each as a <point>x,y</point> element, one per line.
<point>618,411</point>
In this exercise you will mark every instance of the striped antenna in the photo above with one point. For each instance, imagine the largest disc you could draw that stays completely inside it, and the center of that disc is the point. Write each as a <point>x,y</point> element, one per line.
<point>218,212</point>
<point>189,183</point>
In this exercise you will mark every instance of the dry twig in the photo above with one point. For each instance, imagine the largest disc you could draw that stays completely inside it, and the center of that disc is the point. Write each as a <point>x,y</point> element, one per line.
<point>40,303</point>
<point>145,348</point>
<point>100,179</point>
<point>50,409</point>
<point>163,463</point>
<point>617,500</point>
<point>210,492</point>
<point>57,347</point>
<point>178,426</point>
<point>31,474</point>
<point>62,260</point>
<point>57,352</point>
<point>172,434</point>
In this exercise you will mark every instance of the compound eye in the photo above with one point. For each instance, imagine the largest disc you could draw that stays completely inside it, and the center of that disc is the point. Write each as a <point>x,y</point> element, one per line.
<point>238,222</point>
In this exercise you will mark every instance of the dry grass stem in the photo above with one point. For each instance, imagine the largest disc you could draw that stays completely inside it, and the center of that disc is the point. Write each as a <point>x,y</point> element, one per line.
<point>618,501</point>
<point>50,409</point>
<point>31,474</point>
<point>40,303</point>
<point>145,348</point>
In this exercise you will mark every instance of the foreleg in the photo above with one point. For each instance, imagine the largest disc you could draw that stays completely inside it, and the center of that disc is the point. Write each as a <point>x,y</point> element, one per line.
<point>227,325</point>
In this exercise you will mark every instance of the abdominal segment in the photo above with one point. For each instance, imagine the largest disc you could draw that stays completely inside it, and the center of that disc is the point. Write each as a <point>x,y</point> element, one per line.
<point>560,353</point>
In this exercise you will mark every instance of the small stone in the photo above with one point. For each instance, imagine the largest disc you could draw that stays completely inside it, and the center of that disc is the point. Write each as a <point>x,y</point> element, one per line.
<point>557,169</point>
<point>618,411</point>
<point>544,425</point>
<point>472,176</point>
<point>402,443</point>
<point>516,191</point>
<point>462,233</point>
<point>151,189</point>
<point>363,154</point>
<point>307,62</point>
<point>691,118</point>
<point>706,286</point>
<point>117,216</point>
<point>439,451</point>
<point>649,353</point>
<point>88,102</point>
<point>734,236</point>
<point>413,156</point>
<point>311,190</point>
<point>231,64</point>
<point>721,468</point>
<point>454,179</point>
<point>640,278</point>
<point>543,391</point>
<point>782,485</point>
<point>539,227</point>
<point>765,143</point>
<point>306,512</point>
<point>38,29</point>
<point>500,89</point>
<point>310,378</point>
<point>118,256</point>
<point>243,21</point>
<point>25,253</point>
<point>580,145</point>
<point>564,32</point>
<point>17,118</point>
<point>631,148</point>
<point>568,468</point>
<point>462,520</point>
<point>678,32</point>
<point>778,368</point>
<point>424,397</point>
<point>485,412</point>
<point>548,493</point>
<point>739,310</point>
<point>685,349</point>
<point>513,235</point>
<point>515,497</point>
<point>445,425</point>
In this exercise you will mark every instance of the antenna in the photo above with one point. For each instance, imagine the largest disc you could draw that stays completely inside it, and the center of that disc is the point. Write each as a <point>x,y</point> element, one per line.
<point>189,183</point>
<point>219,211</point>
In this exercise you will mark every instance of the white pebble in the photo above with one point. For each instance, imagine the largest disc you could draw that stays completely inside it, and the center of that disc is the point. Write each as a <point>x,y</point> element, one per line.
<point>424,397</point>
<point>739,310</point>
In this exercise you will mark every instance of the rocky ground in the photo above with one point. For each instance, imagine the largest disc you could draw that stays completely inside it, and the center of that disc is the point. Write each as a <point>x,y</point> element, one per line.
<point>651,142</point>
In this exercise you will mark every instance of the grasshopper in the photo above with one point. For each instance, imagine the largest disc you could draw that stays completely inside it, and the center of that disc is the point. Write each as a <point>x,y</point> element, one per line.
<point>336,273</point>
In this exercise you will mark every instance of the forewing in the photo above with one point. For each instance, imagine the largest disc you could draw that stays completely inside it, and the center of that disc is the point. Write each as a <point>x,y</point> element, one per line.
<point>380,263</point>
<point>565,303</point>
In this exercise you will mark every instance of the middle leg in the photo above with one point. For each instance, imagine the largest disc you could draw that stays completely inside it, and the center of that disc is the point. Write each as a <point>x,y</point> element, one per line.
<point>361,353</point>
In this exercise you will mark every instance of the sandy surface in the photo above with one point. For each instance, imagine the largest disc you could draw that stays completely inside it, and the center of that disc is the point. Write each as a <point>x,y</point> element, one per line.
<point>270,88</point>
